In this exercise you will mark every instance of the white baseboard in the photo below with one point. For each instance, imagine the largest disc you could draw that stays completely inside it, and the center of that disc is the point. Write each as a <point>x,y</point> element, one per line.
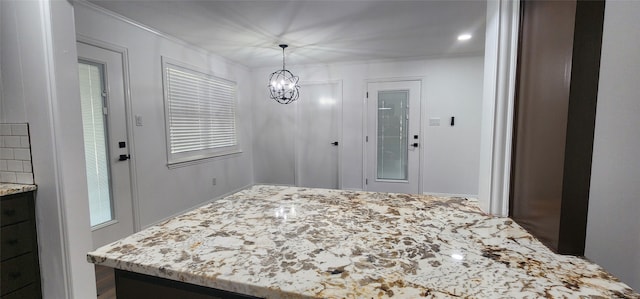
<point>473,197</point>
<point>270,184</point>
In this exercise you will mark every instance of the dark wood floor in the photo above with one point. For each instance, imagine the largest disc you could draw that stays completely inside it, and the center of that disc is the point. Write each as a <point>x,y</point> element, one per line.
<point>105,282</point>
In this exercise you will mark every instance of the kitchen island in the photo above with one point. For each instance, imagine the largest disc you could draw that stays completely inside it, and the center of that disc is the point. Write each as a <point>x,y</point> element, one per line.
<point>288,242</point>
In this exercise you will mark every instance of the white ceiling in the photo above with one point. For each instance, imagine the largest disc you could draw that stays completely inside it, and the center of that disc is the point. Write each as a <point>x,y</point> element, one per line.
<point>249,32</point>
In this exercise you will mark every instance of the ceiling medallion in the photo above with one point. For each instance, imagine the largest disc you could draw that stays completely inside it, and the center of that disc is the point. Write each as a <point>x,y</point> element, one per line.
<point>283,85</point>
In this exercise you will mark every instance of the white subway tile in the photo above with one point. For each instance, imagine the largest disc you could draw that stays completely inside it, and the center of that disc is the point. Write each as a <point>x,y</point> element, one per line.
<point>23,154</point>
<point>14,165</point>
<point>5,129</point>
<point>24,142</point>
<point>26,166</point>
<point>1,141</point>
<point>12,141</point>
<point>7,177</point>
<point>3,165</point>
<point>19,130</point>
<point>6,153</point>
<point>24,178</point>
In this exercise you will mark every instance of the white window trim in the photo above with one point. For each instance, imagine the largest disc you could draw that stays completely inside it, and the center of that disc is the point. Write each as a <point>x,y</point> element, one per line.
<point>202,156</point>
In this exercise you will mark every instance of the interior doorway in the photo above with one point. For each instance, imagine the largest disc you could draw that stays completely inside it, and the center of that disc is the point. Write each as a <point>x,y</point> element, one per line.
<point>104,118</point>
<point>318,141</point>
<point>393,137</point>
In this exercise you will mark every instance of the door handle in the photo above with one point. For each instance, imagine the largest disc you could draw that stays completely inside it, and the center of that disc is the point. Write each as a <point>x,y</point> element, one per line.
<point>414,144</point>
<point>335,143</point>
<point>124,157</point>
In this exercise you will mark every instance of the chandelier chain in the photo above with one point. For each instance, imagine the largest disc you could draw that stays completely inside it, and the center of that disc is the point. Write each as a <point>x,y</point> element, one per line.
<point>283,58</point>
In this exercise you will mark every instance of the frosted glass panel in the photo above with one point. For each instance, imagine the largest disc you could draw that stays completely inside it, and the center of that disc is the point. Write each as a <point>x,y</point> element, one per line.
<point>393,125</point>
<point>95,143</point>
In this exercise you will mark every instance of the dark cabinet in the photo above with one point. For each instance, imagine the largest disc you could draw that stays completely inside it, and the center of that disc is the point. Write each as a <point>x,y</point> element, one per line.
<point>19,268</point>
<point>556,92</point>
<point>131,285</point>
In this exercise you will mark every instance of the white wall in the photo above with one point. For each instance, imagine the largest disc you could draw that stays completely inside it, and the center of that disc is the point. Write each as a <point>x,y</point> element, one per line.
<point>38,62</point>
<point>2,16</point>
<point>613,226</point>
<point>40,86</point>
<point>163,192</point>
<point>451,87</point>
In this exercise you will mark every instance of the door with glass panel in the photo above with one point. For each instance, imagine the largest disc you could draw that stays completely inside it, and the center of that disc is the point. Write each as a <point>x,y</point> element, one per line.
<point>392,141</point>
<point>106,146</point>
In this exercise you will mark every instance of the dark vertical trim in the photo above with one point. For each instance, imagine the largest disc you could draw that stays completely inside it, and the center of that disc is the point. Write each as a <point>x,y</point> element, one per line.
<point>516,102</point>
<point>583,95</point>
<point>546,49</point>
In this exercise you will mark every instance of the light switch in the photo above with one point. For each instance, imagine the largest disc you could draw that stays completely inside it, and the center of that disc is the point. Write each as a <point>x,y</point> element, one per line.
<point>434,121</point>
<point>138,120</point>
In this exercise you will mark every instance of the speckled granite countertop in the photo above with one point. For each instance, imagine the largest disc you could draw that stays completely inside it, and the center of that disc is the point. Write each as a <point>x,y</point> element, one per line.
<point>9,189</point>
<point>286,242</point>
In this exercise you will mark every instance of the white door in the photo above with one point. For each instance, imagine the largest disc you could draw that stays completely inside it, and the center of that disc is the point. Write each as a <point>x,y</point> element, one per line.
<point>392,141</point>
<point>104,121</point>
<point>318,137</point>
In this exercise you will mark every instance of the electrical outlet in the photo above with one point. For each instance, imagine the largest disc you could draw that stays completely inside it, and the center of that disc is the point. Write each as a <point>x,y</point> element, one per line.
<point>213,181</point>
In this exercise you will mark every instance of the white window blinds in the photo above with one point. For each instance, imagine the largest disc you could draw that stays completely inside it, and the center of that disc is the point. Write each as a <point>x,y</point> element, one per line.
<point>94,124</point>
<point>201,114</point>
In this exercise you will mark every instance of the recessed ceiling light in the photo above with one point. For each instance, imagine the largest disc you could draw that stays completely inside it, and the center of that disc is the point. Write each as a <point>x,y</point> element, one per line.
<point>464,37</point>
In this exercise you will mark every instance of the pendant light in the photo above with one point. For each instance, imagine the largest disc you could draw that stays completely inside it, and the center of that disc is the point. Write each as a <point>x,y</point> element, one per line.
<point>283,85</point>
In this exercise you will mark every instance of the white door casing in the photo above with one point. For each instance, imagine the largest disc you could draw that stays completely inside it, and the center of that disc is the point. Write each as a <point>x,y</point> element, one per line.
<point>392,140</point>
<point>122,223</point>
<point>318,138</point>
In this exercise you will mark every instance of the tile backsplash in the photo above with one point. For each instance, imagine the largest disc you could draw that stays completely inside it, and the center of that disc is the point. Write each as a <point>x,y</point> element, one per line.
<point>15,154</point>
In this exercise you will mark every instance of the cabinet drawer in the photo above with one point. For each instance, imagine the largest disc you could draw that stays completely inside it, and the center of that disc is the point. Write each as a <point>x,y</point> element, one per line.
<point>16,239</point>
<point>15,209</point>
<point>17,273</point>
<point>31,291</point>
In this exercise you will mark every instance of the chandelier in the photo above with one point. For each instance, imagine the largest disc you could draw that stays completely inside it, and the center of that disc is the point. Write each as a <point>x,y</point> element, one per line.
<point>283,85</point>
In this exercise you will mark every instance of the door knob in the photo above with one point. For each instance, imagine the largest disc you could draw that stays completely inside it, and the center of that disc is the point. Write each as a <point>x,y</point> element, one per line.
<point>415,144</point>
<point>124,157</point>
<point>335,143</point>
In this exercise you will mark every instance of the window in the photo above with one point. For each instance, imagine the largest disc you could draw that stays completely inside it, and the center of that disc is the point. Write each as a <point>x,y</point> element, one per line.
<point>200,114</point>
<point>96,153</point>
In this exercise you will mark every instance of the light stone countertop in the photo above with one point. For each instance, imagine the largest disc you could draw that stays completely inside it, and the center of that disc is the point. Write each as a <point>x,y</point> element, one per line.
<point>288,242</point>
<point>9,189</point>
